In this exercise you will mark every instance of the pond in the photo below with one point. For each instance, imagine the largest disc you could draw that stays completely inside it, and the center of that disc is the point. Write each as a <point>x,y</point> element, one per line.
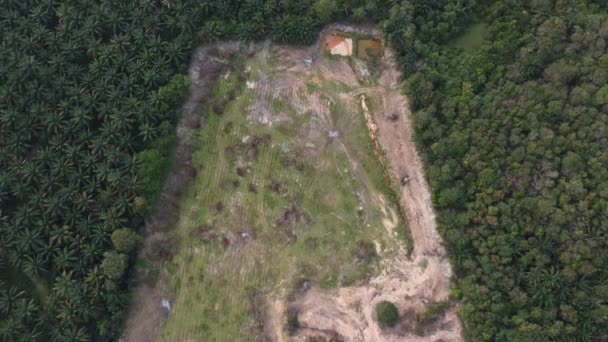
<point>369,48</point>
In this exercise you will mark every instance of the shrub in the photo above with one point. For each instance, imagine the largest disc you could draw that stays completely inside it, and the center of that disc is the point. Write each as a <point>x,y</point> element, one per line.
<point>175,89</point>
<point>292,321</point>
<point>154,163</point>
<point>125,240</point>
<point>114,265</point>
<point>432,314</point>
<point>387,314</point>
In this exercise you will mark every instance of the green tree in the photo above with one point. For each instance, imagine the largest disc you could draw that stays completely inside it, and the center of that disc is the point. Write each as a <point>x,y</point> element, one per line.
<point>114,265</point>
<point>125,240</point>
<point>326,9</point>
<point>601,96</point>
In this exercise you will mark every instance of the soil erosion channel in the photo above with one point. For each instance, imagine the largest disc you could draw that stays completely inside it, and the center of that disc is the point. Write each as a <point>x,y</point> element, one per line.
<point>292,228</point>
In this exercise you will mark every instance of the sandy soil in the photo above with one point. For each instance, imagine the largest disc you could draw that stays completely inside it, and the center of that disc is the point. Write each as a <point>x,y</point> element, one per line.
<point>146,315</point>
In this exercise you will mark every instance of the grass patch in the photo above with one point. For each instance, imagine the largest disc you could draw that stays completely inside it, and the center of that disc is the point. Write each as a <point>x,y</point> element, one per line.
<point>431,315</point>
<point>311,87</point>
<point>284,207</point>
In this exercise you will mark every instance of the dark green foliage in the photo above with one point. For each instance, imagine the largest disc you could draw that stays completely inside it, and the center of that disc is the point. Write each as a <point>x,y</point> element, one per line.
<point>87,109</point>
<point>292,321</point>
<point>387,314</point>
<point>174,90</point>
<point>601,96</point>
<point>295,29</point>
<point>513,134</point>
<point>154,163</point>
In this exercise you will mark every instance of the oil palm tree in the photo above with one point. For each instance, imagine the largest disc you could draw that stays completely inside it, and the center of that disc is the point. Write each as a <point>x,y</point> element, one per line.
<point>10,328</point>
<point>64,259</point>
<point>8,297</point>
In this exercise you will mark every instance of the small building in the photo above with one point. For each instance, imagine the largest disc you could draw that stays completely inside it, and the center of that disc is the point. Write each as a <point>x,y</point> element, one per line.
<point>337,44</point>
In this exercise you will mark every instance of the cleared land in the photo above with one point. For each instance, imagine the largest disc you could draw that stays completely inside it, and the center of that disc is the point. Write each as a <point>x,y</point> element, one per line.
<point>292,227</point>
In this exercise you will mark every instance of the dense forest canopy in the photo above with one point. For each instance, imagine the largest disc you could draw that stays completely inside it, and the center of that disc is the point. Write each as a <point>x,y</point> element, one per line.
<point>513,133</point>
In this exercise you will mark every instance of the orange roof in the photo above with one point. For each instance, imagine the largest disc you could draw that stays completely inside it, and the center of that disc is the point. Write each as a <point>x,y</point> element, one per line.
<point>333,39</point>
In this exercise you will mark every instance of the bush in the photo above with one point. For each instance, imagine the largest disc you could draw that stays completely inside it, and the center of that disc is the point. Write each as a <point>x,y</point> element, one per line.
<point>433,313</point>
<point>174,90</point>
<point>114,265</point>
<point>292,321</point>
<point>387,314</point>
<point>154,163</point>
<point>125,240</point>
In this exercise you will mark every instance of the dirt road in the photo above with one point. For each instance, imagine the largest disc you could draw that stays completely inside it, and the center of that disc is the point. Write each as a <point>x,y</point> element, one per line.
<point>400,151</point>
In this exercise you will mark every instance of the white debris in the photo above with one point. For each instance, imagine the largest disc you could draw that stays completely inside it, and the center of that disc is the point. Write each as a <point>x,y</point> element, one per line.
<point>333,135</point>
<point>265,119</point>
<point>250,84</point>
<point>165,304</point>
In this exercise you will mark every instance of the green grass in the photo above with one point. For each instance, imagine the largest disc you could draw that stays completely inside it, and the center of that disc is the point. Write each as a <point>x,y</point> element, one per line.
<point>471,39</point>
<point>213,285</point>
